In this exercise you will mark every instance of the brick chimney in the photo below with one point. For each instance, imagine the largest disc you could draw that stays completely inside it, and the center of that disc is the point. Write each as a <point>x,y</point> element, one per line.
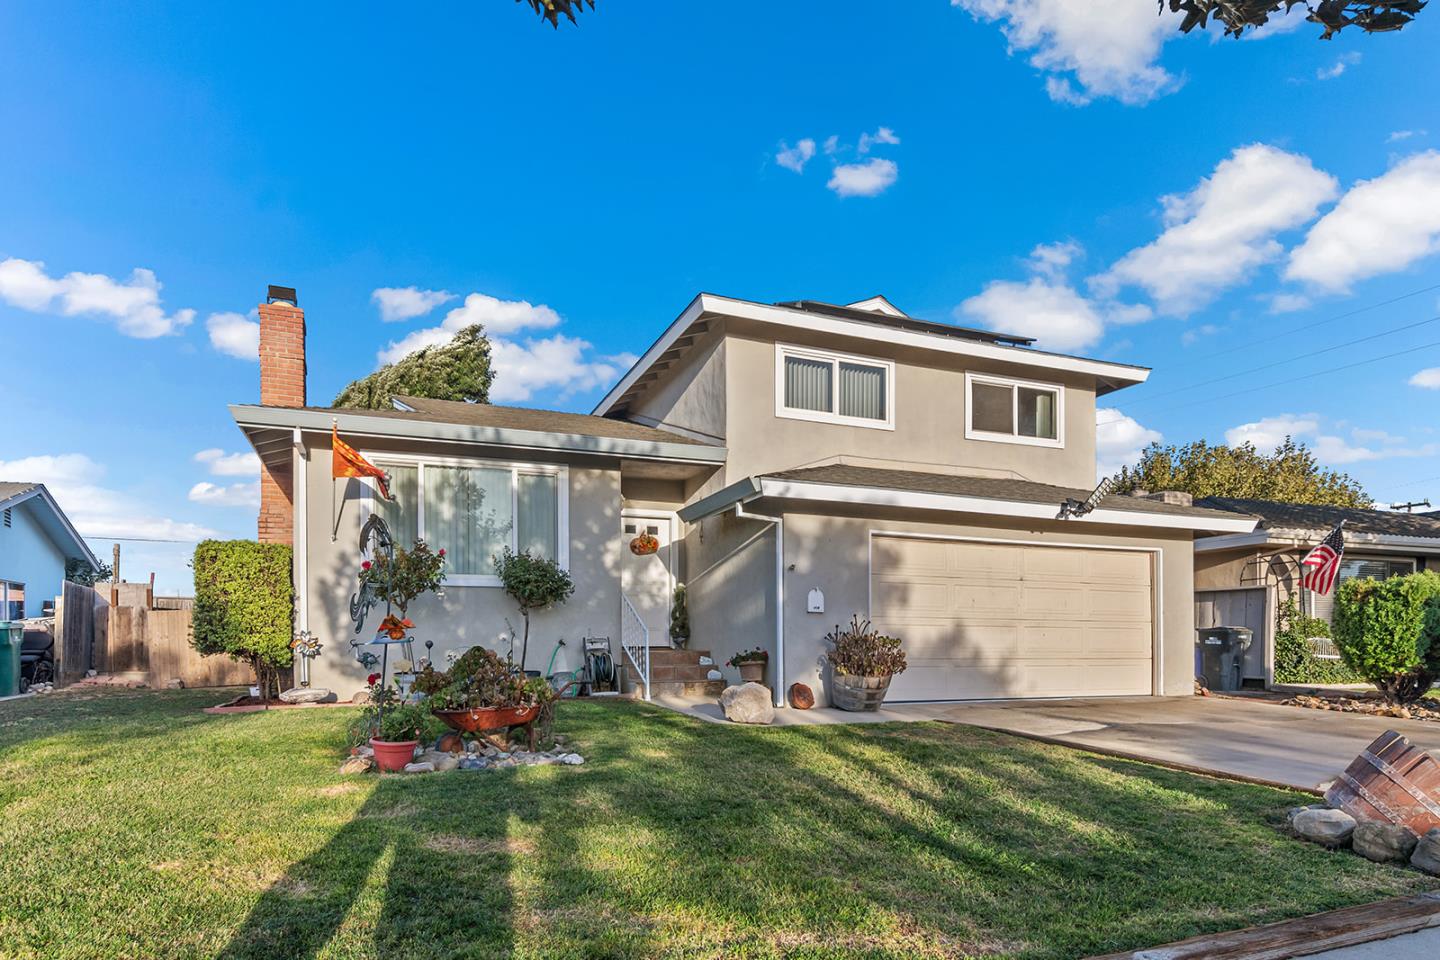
<point>282,384</point>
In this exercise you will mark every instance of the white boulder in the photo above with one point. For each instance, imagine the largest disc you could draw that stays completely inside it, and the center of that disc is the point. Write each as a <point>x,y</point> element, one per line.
<point>747,703</point>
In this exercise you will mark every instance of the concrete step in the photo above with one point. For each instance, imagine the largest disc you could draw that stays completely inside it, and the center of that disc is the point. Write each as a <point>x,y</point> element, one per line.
<point>684,688</point>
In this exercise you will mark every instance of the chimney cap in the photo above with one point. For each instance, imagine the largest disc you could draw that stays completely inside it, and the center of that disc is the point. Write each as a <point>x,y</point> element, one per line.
<point>278,294</point>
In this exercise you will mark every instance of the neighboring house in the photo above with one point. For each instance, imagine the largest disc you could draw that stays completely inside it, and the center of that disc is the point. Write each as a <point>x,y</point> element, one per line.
<point>36,541</point>
<point>1242,578</point>
<point>799,462</point>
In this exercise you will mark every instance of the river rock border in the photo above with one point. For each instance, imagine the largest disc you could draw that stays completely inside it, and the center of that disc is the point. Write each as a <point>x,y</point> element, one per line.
<point>477,755</point>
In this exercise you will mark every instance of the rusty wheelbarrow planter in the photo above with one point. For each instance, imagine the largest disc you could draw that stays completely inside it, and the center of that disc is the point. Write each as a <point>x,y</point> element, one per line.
<point>1392,781</point>
<point>479,719</point>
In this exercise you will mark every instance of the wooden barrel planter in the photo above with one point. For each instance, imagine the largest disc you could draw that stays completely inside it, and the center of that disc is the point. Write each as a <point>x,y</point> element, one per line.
<point>858,693</point>
<point>1391,781</point>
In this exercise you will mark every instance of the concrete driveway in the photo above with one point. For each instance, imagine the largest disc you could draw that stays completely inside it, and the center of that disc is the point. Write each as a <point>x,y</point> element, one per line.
<point>1261,741</point>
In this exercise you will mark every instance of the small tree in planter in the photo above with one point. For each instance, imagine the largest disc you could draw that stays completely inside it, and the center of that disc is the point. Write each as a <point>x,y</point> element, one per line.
<point>679,618</point>
<point>862,663</point>
<point>1388,631</point>
<point>534,583</point>
<point>416,571</point>
<point>751,664</point>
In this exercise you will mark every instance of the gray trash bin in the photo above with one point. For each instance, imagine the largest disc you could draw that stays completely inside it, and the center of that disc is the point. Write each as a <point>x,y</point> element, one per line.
<point>1221,655</point>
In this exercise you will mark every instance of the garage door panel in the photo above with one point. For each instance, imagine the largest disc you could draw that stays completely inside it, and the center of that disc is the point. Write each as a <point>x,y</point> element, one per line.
<point>982,620</point>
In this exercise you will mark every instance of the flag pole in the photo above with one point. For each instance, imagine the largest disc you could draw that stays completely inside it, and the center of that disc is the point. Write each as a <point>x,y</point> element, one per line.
<point>334,520</point>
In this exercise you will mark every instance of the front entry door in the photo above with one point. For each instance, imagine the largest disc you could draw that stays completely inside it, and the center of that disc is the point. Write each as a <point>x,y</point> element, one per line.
<point>649,581</point>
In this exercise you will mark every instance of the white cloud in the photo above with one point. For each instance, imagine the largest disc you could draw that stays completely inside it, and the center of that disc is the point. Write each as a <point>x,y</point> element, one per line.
<point>1109,48</point>
<point>1398,135</point>
<point>500,317</point>
<point>133,304</point>
<point>832,144</point>
<point>1288,302</point>
<point>234,334</point>
<point>1052,260</point>
<point>867,179</point>
<point>1119,441</point>
<point>557,362</point>
<point>222,464</point>
<point>1345,62</point>
<point>1380,226</point>
<point>1267,434</point>
<point>795,158</point>
<point>1429,378</point>
<point>234,495</point>
<point>406,303</point>
<point>1053,313</point>
<point>97,511</point>
<point>1218,233</point>
<point>1190,337</point>
<point>868,140</point>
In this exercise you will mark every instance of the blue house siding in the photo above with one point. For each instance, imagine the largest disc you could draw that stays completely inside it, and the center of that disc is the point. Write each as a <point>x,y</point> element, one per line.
<point>29,556</point>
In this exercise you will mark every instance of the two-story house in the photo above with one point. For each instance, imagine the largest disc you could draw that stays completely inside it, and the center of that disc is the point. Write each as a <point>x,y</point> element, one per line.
<point>799,463</point>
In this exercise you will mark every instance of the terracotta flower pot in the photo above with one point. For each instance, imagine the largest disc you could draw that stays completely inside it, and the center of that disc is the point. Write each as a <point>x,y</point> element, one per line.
<point>392,755</point>
<point>752,671</point>
<point>490,718</point>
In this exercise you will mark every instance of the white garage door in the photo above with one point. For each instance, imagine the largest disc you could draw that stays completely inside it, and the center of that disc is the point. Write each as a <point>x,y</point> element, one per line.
<point>982,620</point>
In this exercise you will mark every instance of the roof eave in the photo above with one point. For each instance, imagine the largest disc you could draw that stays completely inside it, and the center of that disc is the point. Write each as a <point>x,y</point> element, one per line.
<point>62,522</point>
<point>1307,537</point>
<point>288,418</point>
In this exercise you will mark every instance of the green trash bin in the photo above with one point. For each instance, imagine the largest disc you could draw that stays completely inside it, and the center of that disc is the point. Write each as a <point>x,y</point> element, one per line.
<point>12,635</point>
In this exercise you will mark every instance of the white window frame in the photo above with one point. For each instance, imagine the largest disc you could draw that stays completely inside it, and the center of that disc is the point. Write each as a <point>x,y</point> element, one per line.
<point>560,472</point>
<point>5,586</point>
<point>971,433</point>
<point>1309,601</point>
<point>784,350</point>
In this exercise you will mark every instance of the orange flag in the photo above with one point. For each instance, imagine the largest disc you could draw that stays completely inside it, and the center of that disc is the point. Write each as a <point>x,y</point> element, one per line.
<point>347,462</point>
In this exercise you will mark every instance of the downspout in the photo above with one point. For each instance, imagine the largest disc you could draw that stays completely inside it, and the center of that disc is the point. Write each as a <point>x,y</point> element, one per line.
<point>779,525</point>
<point>300,542</point>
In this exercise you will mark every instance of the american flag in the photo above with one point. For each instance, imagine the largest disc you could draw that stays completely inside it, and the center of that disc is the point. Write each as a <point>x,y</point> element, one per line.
<point>1323,562</point>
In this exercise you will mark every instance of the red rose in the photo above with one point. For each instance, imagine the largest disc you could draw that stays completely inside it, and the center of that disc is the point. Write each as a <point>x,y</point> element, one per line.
<point>373,679</point>
<point>442,552</point>
<point>365,565</point>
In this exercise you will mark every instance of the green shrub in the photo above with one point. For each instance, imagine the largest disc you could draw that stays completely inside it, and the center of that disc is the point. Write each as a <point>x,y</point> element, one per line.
<point>680,618</point>
<point>244,604</point>
<point>1295,662</point>
<point>534,583</point>
<point>1386,629</point>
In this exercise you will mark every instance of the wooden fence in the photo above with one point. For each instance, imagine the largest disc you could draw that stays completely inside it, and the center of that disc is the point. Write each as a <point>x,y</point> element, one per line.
<point>148,643</point>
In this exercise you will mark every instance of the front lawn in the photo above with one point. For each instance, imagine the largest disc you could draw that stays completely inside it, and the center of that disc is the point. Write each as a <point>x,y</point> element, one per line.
<point>132,825</point>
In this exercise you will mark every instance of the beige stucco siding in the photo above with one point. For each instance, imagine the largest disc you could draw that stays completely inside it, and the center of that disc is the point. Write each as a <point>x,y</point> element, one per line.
<point>832,553</point>
<point>730,574</point>
<point>692,397</point>
<point>466,616</point>
<point>929,428</point>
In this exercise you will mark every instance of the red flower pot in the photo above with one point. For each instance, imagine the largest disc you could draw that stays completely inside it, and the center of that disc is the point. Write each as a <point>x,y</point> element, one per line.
<point>494,718</point>
<point>392,755</point>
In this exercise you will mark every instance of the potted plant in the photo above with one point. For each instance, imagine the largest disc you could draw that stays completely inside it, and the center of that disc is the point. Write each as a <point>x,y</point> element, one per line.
<point>483,692</point>
<point>679,618</point>
<point>751,664</point>
<point>394,728</point>
<point>862,662</point>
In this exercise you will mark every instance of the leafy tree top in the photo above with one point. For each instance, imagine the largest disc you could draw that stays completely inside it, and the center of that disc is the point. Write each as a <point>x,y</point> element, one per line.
<point>1290,474</point>
<point>1332,15</point>
<point>458,370</point>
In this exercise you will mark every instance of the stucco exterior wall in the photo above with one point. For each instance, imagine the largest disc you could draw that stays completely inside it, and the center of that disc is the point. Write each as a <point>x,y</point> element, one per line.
<point>30,557</point>
<point>693,397</point>
<point>833,554</point>
<point>731,588</point>
<point>465,616</point>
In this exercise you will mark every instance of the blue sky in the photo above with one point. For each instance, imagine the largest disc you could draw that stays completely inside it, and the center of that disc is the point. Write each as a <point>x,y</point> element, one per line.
<point>1029,166</point>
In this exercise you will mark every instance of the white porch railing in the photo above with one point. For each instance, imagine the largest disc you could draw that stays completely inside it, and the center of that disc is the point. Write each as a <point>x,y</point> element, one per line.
<point>635,641</point>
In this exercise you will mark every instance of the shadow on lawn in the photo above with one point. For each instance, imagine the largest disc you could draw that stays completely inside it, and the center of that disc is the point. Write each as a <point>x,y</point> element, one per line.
<point>687,838</point>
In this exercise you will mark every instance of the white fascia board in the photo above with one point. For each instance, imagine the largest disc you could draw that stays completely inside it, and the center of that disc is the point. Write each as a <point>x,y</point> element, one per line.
<point>319,421</point>
<point>709,303</point>
<point>954,503</point>
<point>1308,538</point>
<point>60,522</point>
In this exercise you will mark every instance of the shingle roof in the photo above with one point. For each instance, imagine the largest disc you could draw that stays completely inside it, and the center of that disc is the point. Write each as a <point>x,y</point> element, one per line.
<point>10,489</point>
<point>907,323</point>
<point>524,418</point>
<point>1275,515</point>
<point>993,488</point>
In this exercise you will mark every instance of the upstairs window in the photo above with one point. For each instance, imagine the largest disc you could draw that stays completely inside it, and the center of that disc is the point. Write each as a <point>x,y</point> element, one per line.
<point>1014,411</point>
<point>834,388</point>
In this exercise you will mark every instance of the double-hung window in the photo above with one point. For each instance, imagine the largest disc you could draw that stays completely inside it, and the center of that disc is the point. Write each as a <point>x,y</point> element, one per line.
<point>1014,411</point>
<point>475,508</point>
<point>834,387</point>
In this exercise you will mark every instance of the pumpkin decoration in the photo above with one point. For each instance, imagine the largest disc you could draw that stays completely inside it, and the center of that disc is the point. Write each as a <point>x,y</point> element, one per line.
<point>644,545</point>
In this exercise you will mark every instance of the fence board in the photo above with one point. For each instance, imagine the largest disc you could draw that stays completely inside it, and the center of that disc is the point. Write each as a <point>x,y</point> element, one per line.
<point>75,631</point>
<point>172,657</point>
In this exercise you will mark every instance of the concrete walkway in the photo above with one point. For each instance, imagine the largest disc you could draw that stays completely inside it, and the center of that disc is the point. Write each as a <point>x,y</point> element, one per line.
<point>1253,739</point>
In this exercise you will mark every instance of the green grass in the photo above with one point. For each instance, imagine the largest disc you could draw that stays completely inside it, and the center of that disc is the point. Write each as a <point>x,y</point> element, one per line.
<point>132,825</point>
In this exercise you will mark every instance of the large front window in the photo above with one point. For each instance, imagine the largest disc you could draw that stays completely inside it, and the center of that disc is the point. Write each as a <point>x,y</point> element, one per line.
<point>473,509</point>
<point>1014,411</point>
<point>834,388</point>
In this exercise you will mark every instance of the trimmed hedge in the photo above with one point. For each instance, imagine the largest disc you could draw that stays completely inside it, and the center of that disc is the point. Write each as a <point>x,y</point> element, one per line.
<point>244,603</point>
<point>1386,629</point>
<point>1295,662</point>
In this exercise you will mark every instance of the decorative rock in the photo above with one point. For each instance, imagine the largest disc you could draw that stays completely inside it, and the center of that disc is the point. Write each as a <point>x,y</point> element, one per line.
<point>360,697</point>
<point>705,661</point>
<point>714,675</point>
<point>305,695</point>
<point>1329,828</point>
<point>175,683</point>
<point>1427,853</point>
<point>425,767</point>
<point>1383,842</point>
<point>450,743</point>
<point>747,703</point>
<point>572,759</point>
<point>357,765</point>
<point>801,696</point>
<point>364,750</point>
<point>474,763</point>
<point>444,762</point>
